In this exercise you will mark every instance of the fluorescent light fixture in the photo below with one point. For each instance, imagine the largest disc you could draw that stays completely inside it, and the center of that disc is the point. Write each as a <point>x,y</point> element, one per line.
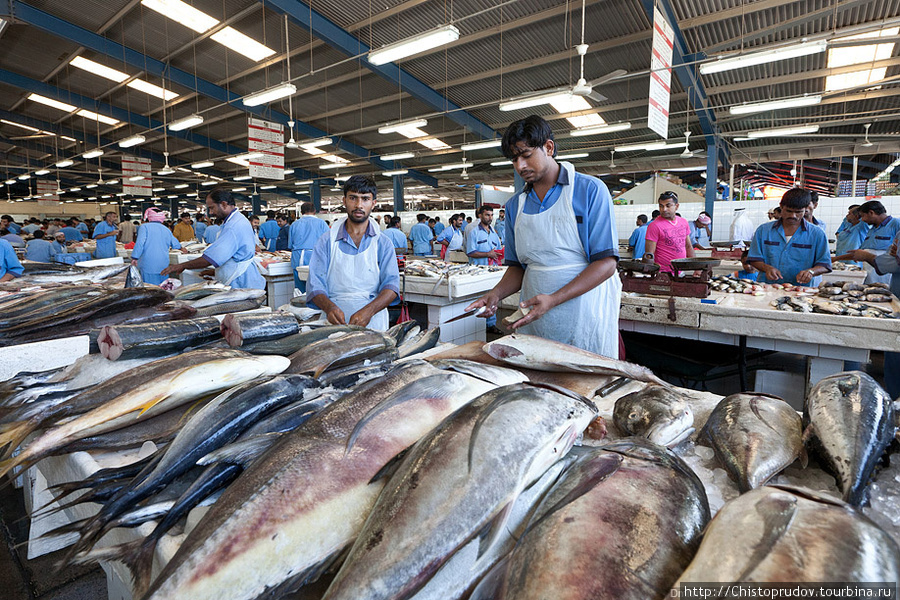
<point>480,145</point>
<point>24,177</point>
<point>132,141</point>
<point>159,189</point>
<point>181,186</point>
<point>244,159</point>
<point>396,127</point>
<point>120,194</point>
<point>782,131</point>
<point>302,193</point>
<point>112,182</point>
<point>574,155</point>
<point>288,171</point>
<point>185,123</point>
<point>14,124</point>
<point>42,172</point>
<point>68,139</point>
<point>98,69</point>
<point>93,153</point>
<point>165,171</point>
<point>434,144</point>
<point>172,196</point>
<point>335,158</point>
<point>316,143</point>
<point>65,163</point>
<point>87,114</point>
<point>342,178</point>
<point>414,45</point>
<point>746,109</point>
<point>332,166</point>
<point>335,189</point>
<point>235,40</point>
<point>761,58</point>
<point>462,165</point>
<point>51,102</point>
<point>239,190</point>
<point>9,181</point>
<point>625,181</point>
<point>268,187</point>
<point>501,163</point>
<point>393,173</point>
<point>530,100</point>
<point>397,156</point>
<point>75,189</point>
<point>137,178</point>
<point>611,128</point>
<point>182,13</point>
<point>242,177</point>
<point>203,165</point>
<point>650,147</point>
<point>305,182</point>
<point>153,90</point>
<point>271,94</point>
<point>209,182</point>
<point>91,186</point>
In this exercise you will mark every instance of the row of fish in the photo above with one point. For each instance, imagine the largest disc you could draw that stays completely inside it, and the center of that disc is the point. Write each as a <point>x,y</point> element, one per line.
<point>847,306</point>
<point>439,269</point>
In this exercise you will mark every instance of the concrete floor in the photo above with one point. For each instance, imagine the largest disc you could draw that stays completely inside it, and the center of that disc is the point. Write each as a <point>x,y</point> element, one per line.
<point>22,579</point>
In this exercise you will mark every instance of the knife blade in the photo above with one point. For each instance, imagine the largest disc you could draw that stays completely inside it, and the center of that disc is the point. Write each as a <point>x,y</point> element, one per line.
<point>472,313</point>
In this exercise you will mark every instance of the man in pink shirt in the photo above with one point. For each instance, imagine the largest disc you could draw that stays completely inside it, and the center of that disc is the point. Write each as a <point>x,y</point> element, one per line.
<point>668,235</point>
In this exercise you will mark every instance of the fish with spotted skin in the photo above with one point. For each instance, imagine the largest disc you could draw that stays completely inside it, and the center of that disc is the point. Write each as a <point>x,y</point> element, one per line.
<point>755,436</point>
<point>660,414</point>
<point>292,513</point>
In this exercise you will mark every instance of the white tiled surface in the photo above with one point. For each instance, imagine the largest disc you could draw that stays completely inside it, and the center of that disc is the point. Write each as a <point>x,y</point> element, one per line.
<point>467,330</point>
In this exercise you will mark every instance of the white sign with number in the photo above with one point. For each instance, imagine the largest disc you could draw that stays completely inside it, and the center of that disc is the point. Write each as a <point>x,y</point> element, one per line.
<point>137,177</point>
<point>660,75</point>
<point>265,140</point>
<point>47,190</point>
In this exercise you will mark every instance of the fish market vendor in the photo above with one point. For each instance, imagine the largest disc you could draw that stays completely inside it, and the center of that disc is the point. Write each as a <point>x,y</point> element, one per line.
<point>791,249</point>
<point>233,250</point>
<point>353,274</point>
<point>10,267</point>
<point>151,250</point>
<point>884,228</point>
<point>105,233</point>
<point>561,247</point>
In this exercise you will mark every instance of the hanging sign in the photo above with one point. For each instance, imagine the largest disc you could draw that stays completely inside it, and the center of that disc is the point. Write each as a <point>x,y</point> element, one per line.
<point>47,190</point>
<point>660,75</point>
<point>137,177</point>
<point>265,141</point>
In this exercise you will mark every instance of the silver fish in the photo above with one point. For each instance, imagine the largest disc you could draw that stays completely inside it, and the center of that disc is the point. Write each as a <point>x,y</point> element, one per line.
<point>849,423</point>
<point>657,413</point>
<point>235,295</point>
<point>417,344</point>
<point>784,534</point>
<point>486,453</point>
<point>92,274</point>
<point>755,436</point>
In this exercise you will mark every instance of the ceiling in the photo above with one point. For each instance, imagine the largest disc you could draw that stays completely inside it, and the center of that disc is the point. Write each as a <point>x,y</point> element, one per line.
<point>505,48</point>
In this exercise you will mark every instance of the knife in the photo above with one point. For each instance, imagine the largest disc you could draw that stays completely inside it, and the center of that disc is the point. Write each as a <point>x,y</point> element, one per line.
<point>474,312</point>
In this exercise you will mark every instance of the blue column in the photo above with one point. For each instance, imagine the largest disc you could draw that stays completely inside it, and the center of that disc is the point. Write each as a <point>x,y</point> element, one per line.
<point>712,174</point>
<point>399,204</point>
<point>479,196</point>
<point>315,192</point>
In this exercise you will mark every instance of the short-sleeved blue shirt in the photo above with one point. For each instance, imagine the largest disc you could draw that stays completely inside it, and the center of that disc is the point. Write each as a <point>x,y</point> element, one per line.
<point>72,234</point>
<point>880,237</point>
<point>807,248</point>
<point>482,240</point>
<point>421,235</point>
<point>699,236</point>
<point>9,262</point>
<point>236,240</point>
<point>199,229</point>
<point>397,237</point>
<point>268,233</point>
<point>209,236</point>
<point>638,241</point>
<point>106,248</point>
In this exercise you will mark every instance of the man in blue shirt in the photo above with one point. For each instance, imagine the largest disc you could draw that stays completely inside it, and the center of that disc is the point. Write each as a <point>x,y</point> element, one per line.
<point>233,251</point>
<point>884,229</point>
<point>281,243</point>
<point>353,274</point>
<point>39,249</point>
<point>396,236</point>
<point>421,235</point>
<point>790,250</point>
<point>500,226</point>
<point>80,225</point>
<point>638,238</point>
<point>105,233</point>
<point>700,230</point>
<point>452,236</point>
<point>33,225</point>
<point>8,223</point>
<point>851,234</point>
<point>561,247</point>
<point>209,235</point>
<point>200,226</point>
<point>813,205</point>
<point>10,266</point>
<point>438,226</point>
<point>58,245</point>
<point>268,231</point>
<point>72,234</point>
<point>482,247</point>
<point>302,238</point>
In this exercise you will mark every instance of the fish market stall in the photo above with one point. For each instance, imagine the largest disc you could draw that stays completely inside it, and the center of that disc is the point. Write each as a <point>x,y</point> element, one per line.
<point>275,268</point>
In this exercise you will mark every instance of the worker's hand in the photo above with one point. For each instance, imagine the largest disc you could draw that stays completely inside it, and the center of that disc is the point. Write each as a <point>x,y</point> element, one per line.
<point>862,255</point>
<point>804,276</point>
<point>490,301</point>
<point>172,270</point>
<point>493,254</point>
<point>133,262</point>
<point>208,273</point>
<point>361,317</point>
<point>336,316</point>
<point>893,250</point>
<point>539,305</point>
<point>773,274</point>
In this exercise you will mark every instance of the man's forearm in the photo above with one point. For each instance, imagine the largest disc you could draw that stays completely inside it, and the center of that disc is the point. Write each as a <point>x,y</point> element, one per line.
<point>593,275</point>
<point>510,283</point>
<point>382,300</point>
<point>197,263</point>
<point>758,265</point>
<point>479,254</point>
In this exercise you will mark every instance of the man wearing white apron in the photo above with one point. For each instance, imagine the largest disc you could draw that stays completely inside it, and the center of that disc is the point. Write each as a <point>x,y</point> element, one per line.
<point>232,251</point>
<point>884,228</point>
<point>561,247</point>
<point>353,274</point>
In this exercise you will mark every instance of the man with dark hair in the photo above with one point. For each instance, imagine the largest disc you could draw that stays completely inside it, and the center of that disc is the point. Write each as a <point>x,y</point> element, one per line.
<point>233,250</point>
<point>8,223</point>
<point>105,233</point>
<point>200,226</point>
<point>39,249</point>
<point>421,235</point>
<point>268,231</point>
<point>884,228</point>
<point>500,226</point>
<point>790,250</point>
<point>72,234</point>
<point>81,225</point>
<point>58,245</point>
<point>353,274</point>
<point>852,232</point>
<point>452,236</point>
<point>669,235</point>
<point>561,247</point>
<point>637,241</point>
<point>813,205</point>
<point>438,227</point>
<point>281,242</point>
<point>302,237</point>
<point>33,225</point>
<point>184,228</point>
<point>212,231</point>
<point>396,236</point>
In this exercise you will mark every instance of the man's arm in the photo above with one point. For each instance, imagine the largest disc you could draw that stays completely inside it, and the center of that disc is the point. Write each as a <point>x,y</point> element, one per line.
<point>650,247</point>
<point>510,283</point>
<point>365,314</point>
<point>688,247</point>
<point>197,263</point>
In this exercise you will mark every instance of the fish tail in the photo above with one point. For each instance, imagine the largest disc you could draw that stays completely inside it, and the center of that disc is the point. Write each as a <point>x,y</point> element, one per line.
<point>137,556</point>
<point>8,464</point>
<point>13,434</point>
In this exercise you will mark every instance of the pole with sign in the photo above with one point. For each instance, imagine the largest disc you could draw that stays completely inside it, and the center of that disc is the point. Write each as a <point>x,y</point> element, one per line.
<point>265,140</point>
<point>660,75</point>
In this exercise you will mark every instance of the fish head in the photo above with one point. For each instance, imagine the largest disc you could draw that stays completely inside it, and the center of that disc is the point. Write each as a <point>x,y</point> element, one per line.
<point>561,440</point>
<point>671,427</point>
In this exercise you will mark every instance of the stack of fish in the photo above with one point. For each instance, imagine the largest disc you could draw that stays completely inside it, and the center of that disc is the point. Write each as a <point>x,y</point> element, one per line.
<point>732,285</point>
<point>848,306</point>
<point>437,268</point>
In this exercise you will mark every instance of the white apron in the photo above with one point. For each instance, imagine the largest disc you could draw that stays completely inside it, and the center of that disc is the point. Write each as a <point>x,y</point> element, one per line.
<point>232,269</point>
<point>549,245</point>
<point>353,280</point>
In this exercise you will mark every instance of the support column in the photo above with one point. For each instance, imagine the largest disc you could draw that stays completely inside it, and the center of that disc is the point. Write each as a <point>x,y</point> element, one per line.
<point>173,209</point>
<point>479,196</point>
<point>256,201</point>
<point>712,175</point>
<point>853,182</point>
<point>399,203</point>
<point>315,193</point>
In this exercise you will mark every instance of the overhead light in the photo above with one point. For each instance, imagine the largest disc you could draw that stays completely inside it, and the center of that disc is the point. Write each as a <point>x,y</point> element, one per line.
<point>239,190</point>
<point>159,189</point>
<point>242,177</point>
<point>87,114</point>
<point>462,165</point>
<point>91,186</point>
<point>414,45</point>
<point>244,159</point>
<point>529,100</point>
<point>433,143</point>
<point>75,189</point>
<point>235,40</point>
<point>782,131</point>
<point>98,69</point>
<point>153,90</point>
<point>172,196</point>
<point>112,182</point>
<point>343,178</point>
<point>501,163</point>
<point>68,139</point>
<point>185,123</point>
<point>270,94</point>
<point>165,171</point>
<point>268,187</point>
<point>746,109</point>
<point>203,165</point>
<point>209,182</point>
<point>65,163</point>
<point>132,141</point>
<point>288,171</point>
<point>760,58</point>
<point>311,145</point>
<point>137,178</point>
<point>93,153</point>
<point>333,166</point>
<point>397,156</point>
<point>302,193</point>
<point>575,155</point>
<point>120,194</point>
<point>396,127</point>
<point>42,172</point>
<point>600,129</point>
<point>51,102</point>
<point>625,181</point>
<point>182,13</point>
<point>14,124</point>
<point>306,182</point>
<point>9,181</point>
<point>650,147</point>
<point>393,173</point>
<point>181,186</point>
<point>24,177</point>
<point>481,145</point>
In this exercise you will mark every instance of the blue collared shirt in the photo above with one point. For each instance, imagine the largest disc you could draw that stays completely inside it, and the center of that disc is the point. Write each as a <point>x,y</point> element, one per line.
<point>438,228</point>
<point>236,240</point>
<point>448,234</point>
<point>72,234</point>
<point>884,264</point>
<point>31,228</point>
<point>82,227</point>
<point>9,263</point>
<point>638,241</point>
<point>199,229</point>
<point>807,248</point>
<point>305,232</point>
<point>209,236</point>
<point>268,233</point>
<point>397,237</point>
<point>13,227</point>
<point>594,216</point>
<point>850,237</point>
<point>699,236</point>
<point>106,248</point>
<point>421,235</point>
<point>879,238</point>
<point>389,273</point>
<point>482,240</point>
<point>38,251</point>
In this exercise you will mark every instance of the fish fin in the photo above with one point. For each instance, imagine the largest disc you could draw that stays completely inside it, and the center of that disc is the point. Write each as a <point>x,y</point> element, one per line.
<point>150,404</point>
<point>777,513</point>
<point>754,406</point>
<point>390,468</point>
<point>13,435</point>
<point>804,457</point>
<point>493,584</point>
<point>491,532</point>
<point>317,371</point>
<point>242,452</point>
<point>486,412</point>
<point>137,556</point>
<point>808,434</point>
<point>295,582</point>
<point>436,386</point>
<point>809,494</point>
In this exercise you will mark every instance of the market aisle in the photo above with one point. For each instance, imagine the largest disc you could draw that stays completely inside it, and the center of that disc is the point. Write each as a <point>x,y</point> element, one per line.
<point>22,579</point>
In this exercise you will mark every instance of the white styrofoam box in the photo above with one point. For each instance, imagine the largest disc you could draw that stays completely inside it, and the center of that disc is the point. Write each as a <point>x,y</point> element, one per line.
<point>277,268</point>
<point>101,262</point>
<point>458,286</point>
<point>785,385</point>
<point>41,356</point>
<point>279,292</point>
